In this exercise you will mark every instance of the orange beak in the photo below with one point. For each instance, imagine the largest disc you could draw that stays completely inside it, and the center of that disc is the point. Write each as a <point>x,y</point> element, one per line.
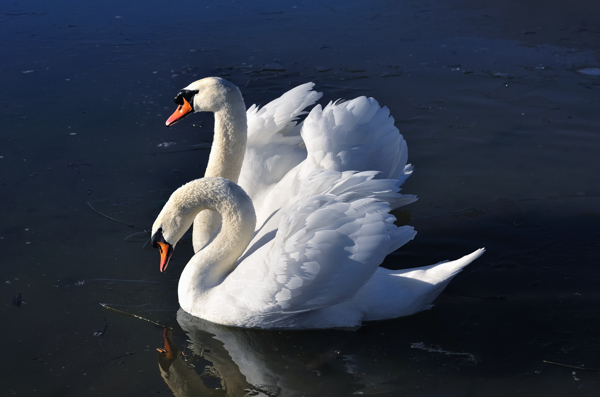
<point>181,112</point>
<point>170,349</point>
<point>165,255</point>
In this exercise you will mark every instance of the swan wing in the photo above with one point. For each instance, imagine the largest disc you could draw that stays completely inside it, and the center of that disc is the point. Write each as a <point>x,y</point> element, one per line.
<point>355,135</point>
<point>274,143</point>
<point>326,246</point>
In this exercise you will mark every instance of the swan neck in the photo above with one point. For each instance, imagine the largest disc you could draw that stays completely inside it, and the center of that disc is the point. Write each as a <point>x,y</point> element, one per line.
<point>229,142</point>
<point>210,266</point>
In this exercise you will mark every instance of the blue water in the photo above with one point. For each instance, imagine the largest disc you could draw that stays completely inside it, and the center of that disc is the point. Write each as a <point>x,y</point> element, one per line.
<point>503,130</point>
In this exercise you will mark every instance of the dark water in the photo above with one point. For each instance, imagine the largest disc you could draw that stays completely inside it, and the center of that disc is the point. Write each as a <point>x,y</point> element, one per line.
<point>502,125</point>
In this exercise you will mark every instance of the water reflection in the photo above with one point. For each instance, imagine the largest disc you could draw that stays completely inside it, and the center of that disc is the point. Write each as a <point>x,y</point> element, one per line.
<point>289,363</point>
<point>246,361</point>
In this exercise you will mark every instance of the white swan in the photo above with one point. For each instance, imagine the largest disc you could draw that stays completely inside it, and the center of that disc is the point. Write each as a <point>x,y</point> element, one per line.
<point>322,228</point>
<point>318,269</point>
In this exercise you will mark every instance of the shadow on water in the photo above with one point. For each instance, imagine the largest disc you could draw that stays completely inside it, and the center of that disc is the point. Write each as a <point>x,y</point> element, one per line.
<point>498,104</point>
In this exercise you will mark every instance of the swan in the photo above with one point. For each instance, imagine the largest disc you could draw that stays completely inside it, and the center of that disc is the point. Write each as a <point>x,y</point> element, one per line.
<point>303,234</point>
<point>317,268</point>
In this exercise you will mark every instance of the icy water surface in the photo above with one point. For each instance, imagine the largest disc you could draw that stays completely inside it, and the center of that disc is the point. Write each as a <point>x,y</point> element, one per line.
<point>499,105</point>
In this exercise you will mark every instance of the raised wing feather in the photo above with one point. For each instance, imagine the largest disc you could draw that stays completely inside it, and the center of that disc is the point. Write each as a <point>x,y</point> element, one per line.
<point>355,135</point>
<point>326,247</point>
<point>274,143</point>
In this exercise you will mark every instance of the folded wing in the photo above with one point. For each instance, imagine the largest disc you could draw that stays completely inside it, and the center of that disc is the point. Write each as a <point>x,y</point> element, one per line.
<point>326,246</point>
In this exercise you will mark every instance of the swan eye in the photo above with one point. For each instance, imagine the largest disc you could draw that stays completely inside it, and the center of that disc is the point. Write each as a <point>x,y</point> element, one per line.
<point>187,94</point>
<point>157,238</point>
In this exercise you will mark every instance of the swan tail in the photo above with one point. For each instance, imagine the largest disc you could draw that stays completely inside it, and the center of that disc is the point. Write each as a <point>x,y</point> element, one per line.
<point>398,293</point>
<point>445,270</point>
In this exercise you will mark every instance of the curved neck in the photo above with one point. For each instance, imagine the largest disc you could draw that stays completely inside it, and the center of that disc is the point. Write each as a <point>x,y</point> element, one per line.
<point>210,266</point>
<point>229,142</point>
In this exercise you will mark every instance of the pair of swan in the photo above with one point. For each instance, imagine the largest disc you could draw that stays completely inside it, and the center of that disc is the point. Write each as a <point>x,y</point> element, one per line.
<point>291,220</point>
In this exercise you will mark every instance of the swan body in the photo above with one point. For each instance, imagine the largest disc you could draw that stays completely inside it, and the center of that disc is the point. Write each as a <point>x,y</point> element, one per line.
<point>298,243</point>
<point>318,269</point>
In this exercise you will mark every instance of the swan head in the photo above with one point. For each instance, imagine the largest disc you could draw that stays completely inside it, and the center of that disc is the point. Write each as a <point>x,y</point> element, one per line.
<point>176,217</point>
<point>166,249</point>
<point>210,94</point>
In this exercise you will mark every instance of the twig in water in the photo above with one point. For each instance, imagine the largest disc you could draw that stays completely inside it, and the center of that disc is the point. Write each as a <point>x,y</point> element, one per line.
<point>120,280</point>
<point>572,366</point>
<point>200,146</point>
<point>145,233</point>
<point>122,355</point>
<point>108,217</point>
<point>101,333</point>
<point>104,305</point>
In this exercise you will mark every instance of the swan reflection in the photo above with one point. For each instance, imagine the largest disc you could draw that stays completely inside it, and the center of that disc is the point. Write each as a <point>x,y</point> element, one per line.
<point>247,361</point>
<point>251,362</point>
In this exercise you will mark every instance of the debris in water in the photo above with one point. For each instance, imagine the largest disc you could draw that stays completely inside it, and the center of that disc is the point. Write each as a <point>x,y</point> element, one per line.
<point>17,299</point>
<point>104,305</point>
<point>571,366</point>
<point>122,355</point>
<point>79,283</point>
<point>101,333</point>
<point>421,345</point>
<point>108,217</point>
<point>166,144</point>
